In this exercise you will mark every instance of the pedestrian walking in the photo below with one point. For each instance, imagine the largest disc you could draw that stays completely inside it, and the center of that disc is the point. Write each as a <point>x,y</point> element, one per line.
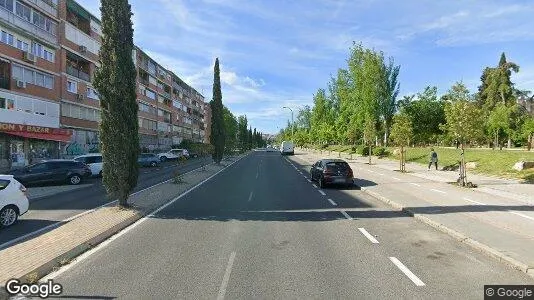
<point>433,159</point>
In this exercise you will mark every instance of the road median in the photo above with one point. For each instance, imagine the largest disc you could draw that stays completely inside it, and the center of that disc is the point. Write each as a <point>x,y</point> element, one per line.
<point>31,259</point>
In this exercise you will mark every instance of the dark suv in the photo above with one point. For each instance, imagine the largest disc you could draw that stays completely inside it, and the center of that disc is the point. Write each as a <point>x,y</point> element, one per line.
<point>58,170</point>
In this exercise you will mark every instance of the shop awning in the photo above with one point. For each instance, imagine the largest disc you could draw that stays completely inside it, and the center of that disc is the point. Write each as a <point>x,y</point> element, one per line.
<point>43,136</point>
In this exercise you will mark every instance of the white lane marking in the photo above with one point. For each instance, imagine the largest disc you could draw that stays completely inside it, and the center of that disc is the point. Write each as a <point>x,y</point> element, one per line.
<point>473,201</point>
<point>414,184</point>
<point>395,178</point>
<point>308,179</point>
<point>438,191</point>
<point>257,175</point>
<point>322,193</point>
<point>85,255</point>
<point>368,235</point>
<point>380,174</point>
<point>57,224</point>
<point>407,272</point>
<point>314,185</point>
<point>332,202</point>
<point>346,215</point>
<point>226,278</point>
<point>522,215</point>
<point>370,171</point>
<point>250,196</point>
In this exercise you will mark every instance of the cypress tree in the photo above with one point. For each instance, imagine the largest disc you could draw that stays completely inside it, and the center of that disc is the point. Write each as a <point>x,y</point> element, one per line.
<point>217,117</point>
<point>115,81</point>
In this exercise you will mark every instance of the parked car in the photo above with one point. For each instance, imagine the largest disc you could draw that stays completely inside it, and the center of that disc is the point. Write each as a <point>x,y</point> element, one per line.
<point>148,160</point>
<point>332,171</point>
<point>287,148</point>
<point>173,154</point>
<point>192,154</point>
<point>13,200</point>
<point>94,161</point>
<point>55,170</point>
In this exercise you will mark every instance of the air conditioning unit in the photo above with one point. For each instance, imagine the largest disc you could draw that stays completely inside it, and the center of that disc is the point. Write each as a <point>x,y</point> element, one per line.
<point>29,57</point>
<point>83,49</point>
<point>79,97</point>
<point>21,84</point>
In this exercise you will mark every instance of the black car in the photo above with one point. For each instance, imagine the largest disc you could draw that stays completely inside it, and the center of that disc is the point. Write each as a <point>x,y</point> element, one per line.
<point>332,171</point>
<point>57,170</point>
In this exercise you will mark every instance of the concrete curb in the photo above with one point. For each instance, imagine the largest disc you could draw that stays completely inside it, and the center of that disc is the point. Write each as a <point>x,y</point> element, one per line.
<point>64,258</point>
<point>487,250</point>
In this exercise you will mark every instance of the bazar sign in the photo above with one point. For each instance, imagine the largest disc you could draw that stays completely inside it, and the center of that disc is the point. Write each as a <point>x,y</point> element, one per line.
<point>8,127</point>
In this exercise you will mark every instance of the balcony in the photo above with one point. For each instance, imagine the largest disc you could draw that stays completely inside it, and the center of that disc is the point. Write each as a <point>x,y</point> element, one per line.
<point>47,5</point>
<point>16,21</point>
<point>80,38</point>
<point>78,73</point>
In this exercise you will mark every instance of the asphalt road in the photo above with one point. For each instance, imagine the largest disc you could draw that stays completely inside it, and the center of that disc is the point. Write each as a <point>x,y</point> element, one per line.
<point>55,208</point>
<point>260,230</point>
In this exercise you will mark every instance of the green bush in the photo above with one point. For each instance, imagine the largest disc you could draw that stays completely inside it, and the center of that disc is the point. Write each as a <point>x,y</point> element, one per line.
<point>324,146</point>
<point>380,151</point>
<point>363,150</point>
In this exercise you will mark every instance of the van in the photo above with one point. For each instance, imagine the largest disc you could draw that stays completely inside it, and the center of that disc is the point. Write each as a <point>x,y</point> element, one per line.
<point>94,161</point>
<point>287,148</point>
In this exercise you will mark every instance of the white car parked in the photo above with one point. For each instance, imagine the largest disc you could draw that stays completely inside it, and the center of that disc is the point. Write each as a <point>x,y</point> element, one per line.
<point>13,200</point>
<point>94,161</point>
<point>173,154</point>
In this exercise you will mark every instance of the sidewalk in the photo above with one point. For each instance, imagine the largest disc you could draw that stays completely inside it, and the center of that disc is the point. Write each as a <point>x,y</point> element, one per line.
<point>508,188</point>
<point>33,258</point>
<point>500,226</point>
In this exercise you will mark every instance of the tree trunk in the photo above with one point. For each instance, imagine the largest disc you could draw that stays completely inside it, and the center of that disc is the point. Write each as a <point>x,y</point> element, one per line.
<point>385,134</point>
<point>509,142</point>
<point>496,141</point>
<point>529,144</point>
<point>370,152</point>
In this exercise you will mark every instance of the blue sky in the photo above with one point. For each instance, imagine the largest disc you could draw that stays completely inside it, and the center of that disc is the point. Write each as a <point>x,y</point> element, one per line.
<point>278,53</point>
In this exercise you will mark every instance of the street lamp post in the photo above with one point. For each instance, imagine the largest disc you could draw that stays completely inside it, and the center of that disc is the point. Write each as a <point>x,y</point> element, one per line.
<point>292,124</point>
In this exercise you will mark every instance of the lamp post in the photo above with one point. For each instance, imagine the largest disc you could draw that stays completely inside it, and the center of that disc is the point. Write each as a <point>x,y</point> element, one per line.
<point>292,124</point>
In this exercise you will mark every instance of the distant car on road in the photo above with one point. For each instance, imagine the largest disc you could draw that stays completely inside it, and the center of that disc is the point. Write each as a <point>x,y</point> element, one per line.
<point>332,171</point>
<point>94,161</point>
<point>173,154</point>
<point>13,200</point>
<point>148,160</point>
<point>55,170</point>
<point>287,148</point>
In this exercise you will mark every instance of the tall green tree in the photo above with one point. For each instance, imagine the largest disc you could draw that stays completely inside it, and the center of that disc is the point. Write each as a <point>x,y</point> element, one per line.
<point>230,130</point>
<point>242,125</point>
<point>389,87</point>
<point>217,116</point>
<point>115,81</point>
<point>528,131</point>
<point>498,122</point>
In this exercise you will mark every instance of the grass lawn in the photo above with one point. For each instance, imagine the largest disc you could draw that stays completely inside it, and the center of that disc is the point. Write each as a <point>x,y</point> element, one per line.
<point>490,162</point>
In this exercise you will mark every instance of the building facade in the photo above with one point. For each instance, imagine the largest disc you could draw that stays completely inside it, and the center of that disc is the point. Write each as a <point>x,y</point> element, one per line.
<point>48,105</point>
<point>30,82</point>
<point>527,103</point>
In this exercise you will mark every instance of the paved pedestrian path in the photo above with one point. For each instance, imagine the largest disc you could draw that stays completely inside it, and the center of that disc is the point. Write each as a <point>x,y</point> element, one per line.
<point>502,227</point>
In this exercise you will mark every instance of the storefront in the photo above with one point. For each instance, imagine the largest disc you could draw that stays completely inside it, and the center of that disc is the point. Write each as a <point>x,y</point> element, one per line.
<point>21,145</point>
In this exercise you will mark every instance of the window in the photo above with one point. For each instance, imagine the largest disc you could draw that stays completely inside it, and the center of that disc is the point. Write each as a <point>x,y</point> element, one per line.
<point>91,93</point>
<point>39,79</point>
<point>7,4</point>
<point>150,94</point>
<point>72,86</point>
<point>48,55</point>
<point>49,82</point>
<point>38,19</point>
<point>7,38</point>
<point>23,11</point>
<point>28,75</point>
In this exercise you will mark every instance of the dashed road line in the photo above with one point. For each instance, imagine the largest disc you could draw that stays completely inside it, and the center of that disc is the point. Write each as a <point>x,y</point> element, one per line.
<point>322,193</point>
<point>257,175</point>
<point>250,196</point>
<point>395,178</point>
<point>308,180</point>
<point>439,191</point>
<point>332,202</point>
<point>522,215</point>
<point>380,174</point>
<point>346,215</point>
<point>407,272</point>
<point>368,235</point>
<point>315,186</point>
<point>370,171</point>
<point>414,184</point>
<point>473,201</point>
<point>226,278</point>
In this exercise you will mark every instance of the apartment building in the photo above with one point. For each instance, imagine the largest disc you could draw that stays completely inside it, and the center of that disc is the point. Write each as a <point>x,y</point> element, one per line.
<point>48,106</point>
<point>29,82</point>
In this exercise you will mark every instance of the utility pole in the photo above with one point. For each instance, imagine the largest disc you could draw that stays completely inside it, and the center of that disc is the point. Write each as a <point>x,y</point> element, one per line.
<point>292,124</point>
